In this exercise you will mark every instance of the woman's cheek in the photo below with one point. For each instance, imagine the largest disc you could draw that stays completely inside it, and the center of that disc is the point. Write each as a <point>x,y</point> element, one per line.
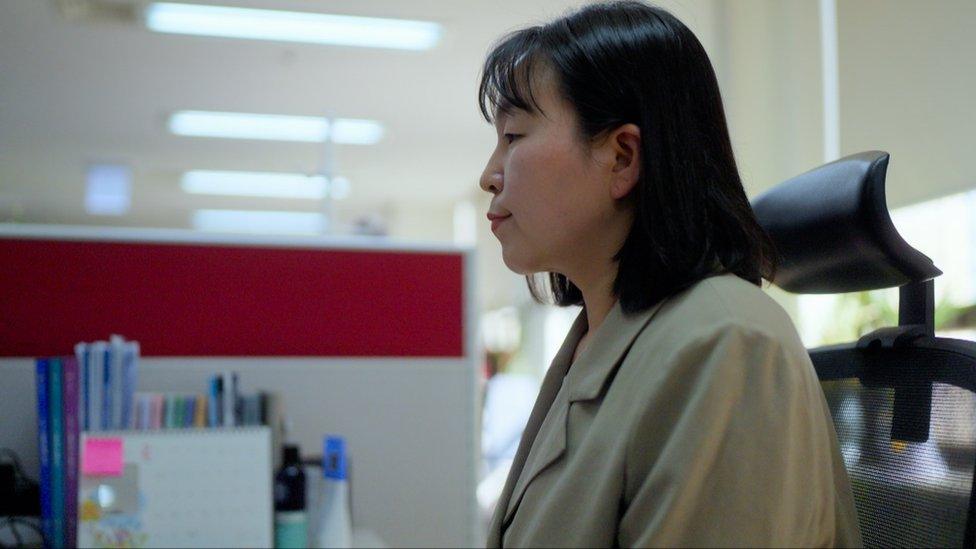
<point>515,167</point>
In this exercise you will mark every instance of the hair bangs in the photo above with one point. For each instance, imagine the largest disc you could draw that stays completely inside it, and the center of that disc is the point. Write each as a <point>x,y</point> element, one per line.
<point>506,79</point>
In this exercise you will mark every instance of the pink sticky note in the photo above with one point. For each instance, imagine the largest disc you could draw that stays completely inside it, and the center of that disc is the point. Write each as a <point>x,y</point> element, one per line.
<point>102,457</point>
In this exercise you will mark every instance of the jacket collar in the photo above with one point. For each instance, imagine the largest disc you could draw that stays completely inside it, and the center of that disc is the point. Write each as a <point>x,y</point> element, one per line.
<point>608,345</point>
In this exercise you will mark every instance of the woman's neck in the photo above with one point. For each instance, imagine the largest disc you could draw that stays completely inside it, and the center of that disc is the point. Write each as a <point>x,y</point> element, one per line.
<point>597,310</point>
<point>598,299</point>
<point>594,274</point>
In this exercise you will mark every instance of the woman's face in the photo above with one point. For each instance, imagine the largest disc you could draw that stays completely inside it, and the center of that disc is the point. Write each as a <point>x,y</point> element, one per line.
<point>551,186</point>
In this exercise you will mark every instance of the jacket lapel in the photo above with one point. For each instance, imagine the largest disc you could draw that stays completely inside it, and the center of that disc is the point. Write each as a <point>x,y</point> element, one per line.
<point>584,381</point>
<point>551,383</point>
<point>549,446</point>
<point>608,347</point>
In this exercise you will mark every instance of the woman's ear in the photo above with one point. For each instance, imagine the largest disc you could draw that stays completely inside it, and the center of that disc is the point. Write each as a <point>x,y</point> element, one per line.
<point>625,143</point>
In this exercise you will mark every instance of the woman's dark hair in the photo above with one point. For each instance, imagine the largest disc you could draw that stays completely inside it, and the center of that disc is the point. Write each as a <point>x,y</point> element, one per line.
<point>628,62</point>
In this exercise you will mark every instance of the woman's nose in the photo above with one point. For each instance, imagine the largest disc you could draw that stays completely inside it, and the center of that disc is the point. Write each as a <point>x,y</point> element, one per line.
<point>492,179</point>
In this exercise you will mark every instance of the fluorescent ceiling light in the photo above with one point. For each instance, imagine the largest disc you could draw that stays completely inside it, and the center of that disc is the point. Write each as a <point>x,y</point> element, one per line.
<point>265,184</point>
<point>275,127</point>
<point>356,132</point>
<point>108,190</point>
<point>274,185</point>
<point>259,222</point>
<point>290,26</point>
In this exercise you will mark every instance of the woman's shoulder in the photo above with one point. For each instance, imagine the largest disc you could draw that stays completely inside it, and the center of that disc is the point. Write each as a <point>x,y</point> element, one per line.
<point>718,305</point>
<point>723,331</point>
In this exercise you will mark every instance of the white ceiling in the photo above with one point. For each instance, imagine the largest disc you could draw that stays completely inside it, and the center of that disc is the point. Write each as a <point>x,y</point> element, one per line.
<point>72,92</point>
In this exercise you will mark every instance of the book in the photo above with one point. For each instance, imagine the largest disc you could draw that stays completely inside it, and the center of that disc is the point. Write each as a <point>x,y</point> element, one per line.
<point>158,409</point>
<point>249,412</point>
<point>215,404</point>
<point>130,358</point>
<point>200,412</point>
<point>116,382</point>
<point>264,402</point>
<point>44,447</point>
<point>96,406</point>
<point>70,408</point>
<point>163,411</point>
<point>56,425</point>
<point>143,411</point>
<point>179,408</point>
<point>169,411</point>
<point>230,399</point>
<point>189,408</point>
<point>81,355</point>
<point>176,401</point>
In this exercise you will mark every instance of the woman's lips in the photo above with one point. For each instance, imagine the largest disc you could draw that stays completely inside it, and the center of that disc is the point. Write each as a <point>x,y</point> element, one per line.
<point>495,222</point>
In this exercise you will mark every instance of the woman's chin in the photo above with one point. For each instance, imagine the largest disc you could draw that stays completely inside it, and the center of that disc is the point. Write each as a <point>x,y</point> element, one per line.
<point>517,265</point>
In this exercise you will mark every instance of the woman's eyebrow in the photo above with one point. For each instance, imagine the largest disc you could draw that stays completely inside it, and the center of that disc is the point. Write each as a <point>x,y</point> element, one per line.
<point>516,112</point>
<point>503,110</point>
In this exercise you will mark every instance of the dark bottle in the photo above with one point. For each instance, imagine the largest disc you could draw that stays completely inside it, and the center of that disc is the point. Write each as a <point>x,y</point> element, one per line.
<point>289,502</point>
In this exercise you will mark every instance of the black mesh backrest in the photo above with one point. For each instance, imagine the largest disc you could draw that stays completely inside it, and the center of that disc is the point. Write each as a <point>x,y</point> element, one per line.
<point>908,493</point>
<point>903,401</point>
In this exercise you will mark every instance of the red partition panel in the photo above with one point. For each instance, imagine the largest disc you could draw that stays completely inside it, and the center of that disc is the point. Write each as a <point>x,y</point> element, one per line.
<point>180,299</point>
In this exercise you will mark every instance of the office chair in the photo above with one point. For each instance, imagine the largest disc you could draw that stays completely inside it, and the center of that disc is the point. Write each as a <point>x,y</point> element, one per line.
<point>903,401</point>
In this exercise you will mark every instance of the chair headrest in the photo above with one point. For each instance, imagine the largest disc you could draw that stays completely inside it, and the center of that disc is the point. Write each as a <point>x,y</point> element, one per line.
<point>833,232</point>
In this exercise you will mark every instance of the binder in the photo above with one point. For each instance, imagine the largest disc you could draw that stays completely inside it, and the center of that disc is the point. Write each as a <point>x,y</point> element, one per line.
<point>228,471</point>
<point>157,409</point>
<point>215,402</point>
<point>71,463</point>
<point>189,407</point>
<point>231,393</point>
<point>200,412</point>
<point>81,355</point>
<point>116,382</point>
<point>96,386</point>
<point>130,355</point>
<point>57,475</point>
<point>44,445</point>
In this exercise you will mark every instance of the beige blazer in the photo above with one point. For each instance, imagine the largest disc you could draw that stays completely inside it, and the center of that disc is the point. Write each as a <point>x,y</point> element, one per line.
<point>699,422</point>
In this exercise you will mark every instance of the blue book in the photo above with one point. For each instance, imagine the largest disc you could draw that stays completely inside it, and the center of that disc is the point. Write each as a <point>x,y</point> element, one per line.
<point>130,357</point>
<point>141,407</point>
<point>96,382</point>
<point>230,400</point>
<point>70,386</point>
<point>57,451</point>
<point>44,445</point>
<point>189,406</point>
<point>107,375</point>
<point>81,354</point>
<point>214,404</point>
<point>117,366</point>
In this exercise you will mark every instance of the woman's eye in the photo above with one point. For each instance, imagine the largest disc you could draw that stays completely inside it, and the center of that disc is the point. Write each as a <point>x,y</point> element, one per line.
<point>511,137</point>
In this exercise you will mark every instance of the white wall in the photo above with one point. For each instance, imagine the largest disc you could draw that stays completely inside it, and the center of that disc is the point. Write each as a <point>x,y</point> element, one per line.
<point>907,81</point>
<point>767,57</point>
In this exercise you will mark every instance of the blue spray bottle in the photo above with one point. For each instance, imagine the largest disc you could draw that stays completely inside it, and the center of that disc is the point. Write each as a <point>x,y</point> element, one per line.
<point>335,527</point>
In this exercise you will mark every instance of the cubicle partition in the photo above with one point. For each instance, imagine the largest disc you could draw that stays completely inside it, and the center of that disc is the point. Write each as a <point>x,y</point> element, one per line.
<point>363,337</point>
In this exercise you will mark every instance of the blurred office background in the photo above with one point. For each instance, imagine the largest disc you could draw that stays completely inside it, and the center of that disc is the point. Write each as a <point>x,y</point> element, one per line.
<point>91,133</point>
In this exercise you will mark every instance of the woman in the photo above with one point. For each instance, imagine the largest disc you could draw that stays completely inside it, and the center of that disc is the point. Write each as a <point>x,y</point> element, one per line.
<point>682,408</point>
